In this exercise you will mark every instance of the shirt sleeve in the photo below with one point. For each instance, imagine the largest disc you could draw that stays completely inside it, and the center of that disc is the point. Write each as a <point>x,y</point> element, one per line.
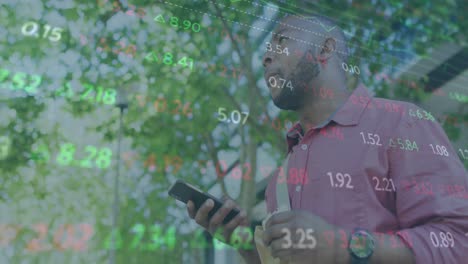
<point>431,198</point>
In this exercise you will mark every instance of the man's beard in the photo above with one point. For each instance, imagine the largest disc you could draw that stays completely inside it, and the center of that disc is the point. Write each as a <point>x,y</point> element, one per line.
<point>302,75</point>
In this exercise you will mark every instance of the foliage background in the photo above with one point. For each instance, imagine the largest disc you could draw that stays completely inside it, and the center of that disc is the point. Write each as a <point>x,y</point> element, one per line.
<point>385,35</point>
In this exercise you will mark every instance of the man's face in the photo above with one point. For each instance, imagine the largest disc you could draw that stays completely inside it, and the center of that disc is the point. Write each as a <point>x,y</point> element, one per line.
<point>286,75</point>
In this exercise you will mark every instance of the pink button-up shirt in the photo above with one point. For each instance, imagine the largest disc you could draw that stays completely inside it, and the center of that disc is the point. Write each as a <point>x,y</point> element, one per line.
<point>384,166</point>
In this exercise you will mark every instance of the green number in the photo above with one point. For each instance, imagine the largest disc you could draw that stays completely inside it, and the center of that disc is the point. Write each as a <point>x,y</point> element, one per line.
<point>32,87</point>
<point>156,239</point>
<point>218,239</point>
<point>391,143</point>
<point>116,237</point>
<point>65,156</point>
<point>236,239</point>
<point>86,163</point>
<point>160,19</point>
<point>19,80</point>
<point>89,88</point>
<point>183,62</point>
<point>109,96</point>
<point>199,240</point>
<point>167,58</point>
<point>139,231</point>
<point>151,57</point>
<point>104,158</point>
<point>411,113</point>
<point>5,143</point>
<point>171,237</point>
<point>41,154</point>
<point>65,89</point>
<point>4,74</point>
<point>174,22</point>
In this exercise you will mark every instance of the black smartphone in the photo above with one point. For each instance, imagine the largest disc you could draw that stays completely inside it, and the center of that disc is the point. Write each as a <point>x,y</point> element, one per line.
<point>184,192</point>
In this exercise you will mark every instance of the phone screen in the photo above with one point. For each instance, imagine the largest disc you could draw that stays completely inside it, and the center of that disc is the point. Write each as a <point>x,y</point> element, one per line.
<point>184,192</point>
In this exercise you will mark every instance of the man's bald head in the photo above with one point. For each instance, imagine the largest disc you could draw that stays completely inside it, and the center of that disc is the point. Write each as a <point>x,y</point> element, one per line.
<point>316,29</point>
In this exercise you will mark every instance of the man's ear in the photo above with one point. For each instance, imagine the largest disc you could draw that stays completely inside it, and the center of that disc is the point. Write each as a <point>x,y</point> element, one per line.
<point>328,47</point>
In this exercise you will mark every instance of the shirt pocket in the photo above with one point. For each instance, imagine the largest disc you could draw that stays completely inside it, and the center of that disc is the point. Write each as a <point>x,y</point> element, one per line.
<point>337,196</point>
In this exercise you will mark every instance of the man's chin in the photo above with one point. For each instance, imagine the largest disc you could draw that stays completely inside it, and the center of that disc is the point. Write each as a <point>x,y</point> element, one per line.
<point>283,102</point>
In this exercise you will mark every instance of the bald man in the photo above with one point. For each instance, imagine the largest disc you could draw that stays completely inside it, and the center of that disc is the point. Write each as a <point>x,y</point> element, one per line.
<point>364,183</point>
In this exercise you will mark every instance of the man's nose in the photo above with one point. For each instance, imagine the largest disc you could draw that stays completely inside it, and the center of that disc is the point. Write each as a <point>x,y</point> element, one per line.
<point>267,59</point>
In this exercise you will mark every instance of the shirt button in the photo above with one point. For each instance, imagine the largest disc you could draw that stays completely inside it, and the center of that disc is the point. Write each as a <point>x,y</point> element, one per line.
<point>304,147</point>
<point>298,188</point>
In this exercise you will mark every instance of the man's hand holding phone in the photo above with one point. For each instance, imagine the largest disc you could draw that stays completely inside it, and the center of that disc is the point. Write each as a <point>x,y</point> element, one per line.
<point>216,221</point>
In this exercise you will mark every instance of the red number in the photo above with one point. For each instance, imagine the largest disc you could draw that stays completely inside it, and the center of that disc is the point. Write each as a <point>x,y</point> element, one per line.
<point>393,239</point>
<point>176,163</point>
<point>131,49</point>
<point>248,172</point>
<point>141,100</point>
<point>303,176</point>
<point>132,11</point>
<point>380,238</point>
<point>150,162</point>
<point>101,2</point>
<point>87,231</point>
<point>406,238</point>
<point>187,109</point>
<point>344,239</point>
<point>58,237</point>
<point>323,131</point>
<point>179,104</point>
<point>330,237</point>
<point>293,179</point>
<point>276,124</point>
<point>122,45</point>
<point>35,244</point>
<point>220,173</point>
<point>156,104</point>
<point>237,173</point>
<point>141,12</point>
<point>211,68</point>
<point>7,234</point>
<point>116,6</point>
<point>103,42</point>
<point>224,71</point>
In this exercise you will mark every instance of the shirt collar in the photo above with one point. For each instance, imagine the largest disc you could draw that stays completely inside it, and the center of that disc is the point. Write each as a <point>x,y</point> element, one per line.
<point>349,114</point>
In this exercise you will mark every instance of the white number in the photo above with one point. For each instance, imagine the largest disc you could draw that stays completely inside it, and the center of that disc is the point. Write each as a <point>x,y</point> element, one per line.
<point>434,239</point>
<point>56,34</point>
<point>222,114</point>
<point>341,179</point>
<point>351,68</point>
<point>235,120</point>
<point>46,31</point>
<point>288,241</point>
<point>356,69</point>
<point>272,81</point>
<point>439,150</point>
<point>344,66</point>
<point>446,239</point>
<point>32,31</point>
<point>371,139</point>
<point>304,235</point>
<point>246,116</point>
<point>311,238</point>
<point>269,46</point>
